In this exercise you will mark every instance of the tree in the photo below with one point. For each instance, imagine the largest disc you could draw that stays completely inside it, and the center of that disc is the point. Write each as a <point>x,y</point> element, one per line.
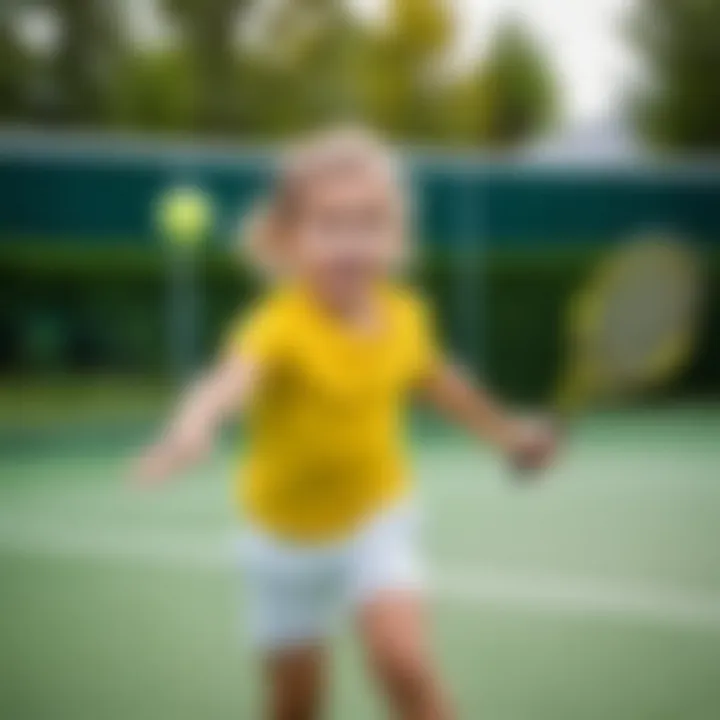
<point>512,95</point>
<point>422,28</point>
<point>14,68</point>
<point>153,90</point>
<point>314,46</point>
<point>335,67</point>
<point>679,104</point>
<point>85,62</point>
<point>403,81</point>
<point>209,31</point>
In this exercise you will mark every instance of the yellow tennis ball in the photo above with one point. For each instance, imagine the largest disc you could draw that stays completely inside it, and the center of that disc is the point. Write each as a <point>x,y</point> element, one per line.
<point>184,215</point>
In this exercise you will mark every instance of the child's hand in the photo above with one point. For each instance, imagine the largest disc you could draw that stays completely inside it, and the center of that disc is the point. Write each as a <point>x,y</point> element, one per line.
<point>534,444</point>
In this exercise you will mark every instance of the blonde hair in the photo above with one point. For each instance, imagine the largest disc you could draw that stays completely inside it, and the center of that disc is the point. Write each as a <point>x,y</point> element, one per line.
<point>328,152</point>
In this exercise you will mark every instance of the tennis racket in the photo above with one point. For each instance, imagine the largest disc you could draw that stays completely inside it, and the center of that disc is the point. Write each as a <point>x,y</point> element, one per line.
<point>632,327</point>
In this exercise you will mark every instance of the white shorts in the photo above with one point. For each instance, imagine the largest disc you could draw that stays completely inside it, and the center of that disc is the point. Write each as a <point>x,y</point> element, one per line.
<point>295,594</point>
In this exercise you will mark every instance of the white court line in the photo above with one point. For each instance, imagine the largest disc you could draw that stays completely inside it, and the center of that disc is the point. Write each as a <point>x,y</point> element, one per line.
<point>466,586</point>
<point>577,597</point>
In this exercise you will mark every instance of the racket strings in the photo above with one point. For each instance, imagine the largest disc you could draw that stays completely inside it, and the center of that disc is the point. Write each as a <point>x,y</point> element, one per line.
<point>638,318</point>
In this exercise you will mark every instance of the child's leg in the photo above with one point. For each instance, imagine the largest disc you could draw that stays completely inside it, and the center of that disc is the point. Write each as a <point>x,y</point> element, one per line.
<point>293,595</point>
<point>295,681</point>
<point>388,596</point>
<point>392,629</point>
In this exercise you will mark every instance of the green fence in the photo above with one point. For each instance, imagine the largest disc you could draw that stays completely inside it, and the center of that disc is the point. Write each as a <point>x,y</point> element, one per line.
<point>101,191</point>
<point>83,279</point>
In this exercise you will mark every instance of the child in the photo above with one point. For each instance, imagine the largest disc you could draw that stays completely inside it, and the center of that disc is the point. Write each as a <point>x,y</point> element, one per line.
<point>323,368</point>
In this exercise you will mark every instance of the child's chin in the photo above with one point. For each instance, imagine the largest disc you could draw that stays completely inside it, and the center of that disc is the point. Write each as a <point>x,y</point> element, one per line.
<point>352,276</point>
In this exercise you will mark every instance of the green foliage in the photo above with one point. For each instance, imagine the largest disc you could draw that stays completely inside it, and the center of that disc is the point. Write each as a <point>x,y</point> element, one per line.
<point>84,65</point>
<point>316,46</point>
<point>423,29</point>
<point>14,73</point>
<point>406,88</point>
<point>208,33</point>
<point>680,43</point>
<point>260,71</point>
<point>511,96</point>
<point>154,91</point>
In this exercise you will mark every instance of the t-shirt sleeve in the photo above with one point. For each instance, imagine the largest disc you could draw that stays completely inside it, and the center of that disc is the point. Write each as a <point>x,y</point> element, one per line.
<point>260,335</point>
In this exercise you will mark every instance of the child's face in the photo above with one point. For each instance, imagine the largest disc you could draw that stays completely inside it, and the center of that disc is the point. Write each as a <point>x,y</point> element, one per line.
<point>347,233</point>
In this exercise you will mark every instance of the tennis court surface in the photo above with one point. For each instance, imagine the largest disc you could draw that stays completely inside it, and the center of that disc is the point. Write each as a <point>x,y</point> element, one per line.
<point>594,596</point>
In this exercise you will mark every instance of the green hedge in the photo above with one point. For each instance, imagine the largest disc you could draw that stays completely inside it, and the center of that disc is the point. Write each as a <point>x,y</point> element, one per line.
<point>65,309</point>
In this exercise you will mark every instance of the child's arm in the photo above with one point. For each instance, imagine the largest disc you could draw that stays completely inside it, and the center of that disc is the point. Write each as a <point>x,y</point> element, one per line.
<point>529,443</point>
<point>219,393</point>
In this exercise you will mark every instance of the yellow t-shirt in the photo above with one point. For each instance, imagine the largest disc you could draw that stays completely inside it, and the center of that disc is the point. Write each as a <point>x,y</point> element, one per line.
<point>326,425</point>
